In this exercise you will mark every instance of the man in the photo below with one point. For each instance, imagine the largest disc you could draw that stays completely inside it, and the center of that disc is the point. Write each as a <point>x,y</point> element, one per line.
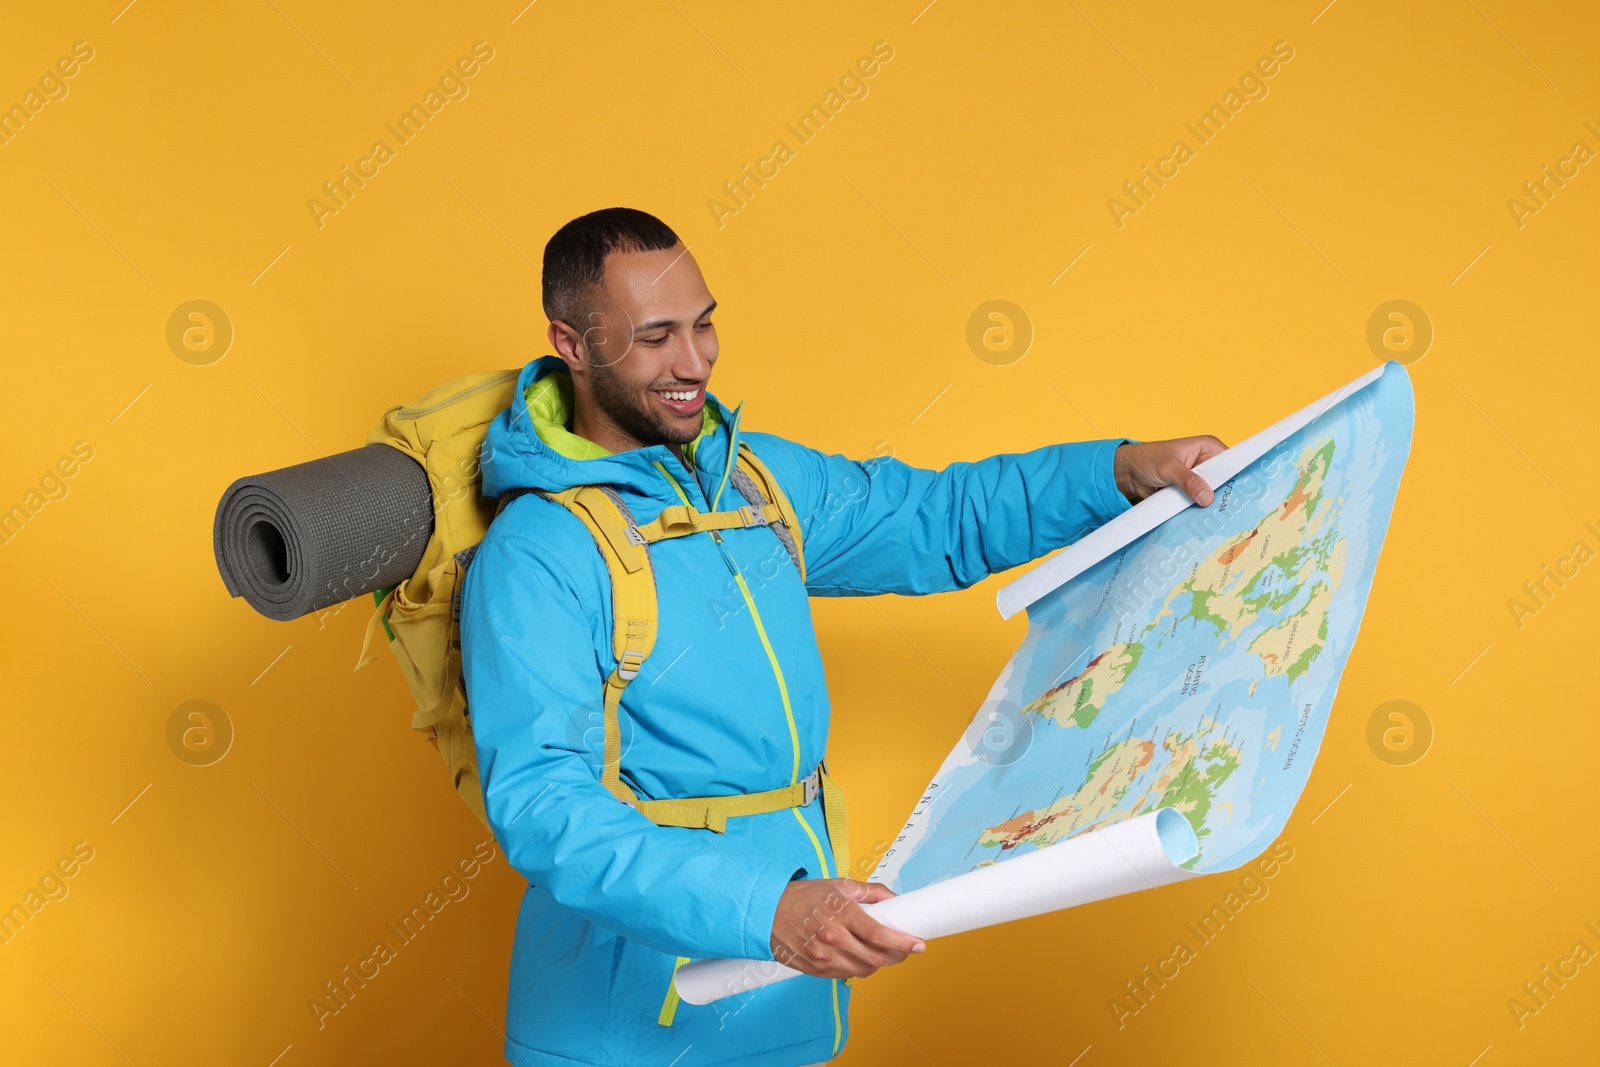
<point>733,698</point>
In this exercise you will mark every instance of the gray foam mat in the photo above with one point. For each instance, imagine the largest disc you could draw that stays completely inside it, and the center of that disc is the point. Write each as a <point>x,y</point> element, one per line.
<point>299,539</point>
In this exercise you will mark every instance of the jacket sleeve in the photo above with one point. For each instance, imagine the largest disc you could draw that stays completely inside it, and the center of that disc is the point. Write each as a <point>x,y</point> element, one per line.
<point>882,526</point>
<point>533,685</point>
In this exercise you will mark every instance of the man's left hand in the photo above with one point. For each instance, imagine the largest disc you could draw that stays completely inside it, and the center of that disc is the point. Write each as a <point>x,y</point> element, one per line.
<point>1141,469</point>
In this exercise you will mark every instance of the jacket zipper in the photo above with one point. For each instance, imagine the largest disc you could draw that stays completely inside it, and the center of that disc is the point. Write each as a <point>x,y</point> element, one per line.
<point>788,713</point>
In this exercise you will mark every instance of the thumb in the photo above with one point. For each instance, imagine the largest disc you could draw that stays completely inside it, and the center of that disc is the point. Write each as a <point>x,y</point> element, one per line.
<point>872,892</point>
<point>1196,487</point>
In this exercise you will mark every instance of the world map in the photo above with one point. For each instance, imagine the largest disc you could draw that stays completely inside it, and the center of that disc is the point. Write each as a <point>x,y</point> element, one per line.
<point>1193,668</point>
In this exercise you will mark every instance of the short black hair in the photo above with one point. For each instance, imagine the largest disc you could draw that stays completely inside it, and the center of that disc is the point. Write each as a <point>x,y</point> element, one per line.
<point>575,258</point>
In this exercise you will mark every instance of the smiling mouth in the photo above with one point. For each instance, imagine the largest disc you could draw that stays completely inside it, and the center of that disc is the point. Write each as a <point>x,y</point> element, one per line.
<point>682,401</point>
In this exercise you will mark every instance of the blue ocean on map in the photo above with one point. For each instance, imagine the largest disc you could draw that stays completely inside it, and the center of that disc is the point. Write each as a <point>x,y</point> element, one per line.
<point>1194,668</point>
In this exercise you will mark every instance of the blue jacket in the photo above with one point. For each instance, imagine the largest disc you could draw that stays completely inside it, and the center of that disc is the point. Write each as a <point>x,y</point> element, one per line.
<point>732,700</point>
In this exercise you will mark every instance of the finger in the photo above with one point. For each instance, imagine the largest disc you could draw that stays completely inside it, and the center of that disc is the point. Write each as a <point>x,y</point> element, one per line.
<point>860,892</point>
<point>1196,487</point>
<point>875,891</point>
<point>836,951</point>
<point>1208,446</point>
<point>862,959</point>
<point>880,938</point>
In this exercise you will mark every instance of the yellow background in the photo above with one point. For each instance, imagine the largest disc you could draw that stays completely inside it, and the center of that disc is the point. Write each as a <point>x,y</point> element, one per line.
<point>977,168</point>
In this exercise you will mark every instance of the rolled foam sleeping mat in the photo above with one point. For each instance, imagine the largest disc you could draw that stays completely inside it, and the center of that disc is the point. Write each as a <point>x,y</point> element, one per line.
<point>299,539</point>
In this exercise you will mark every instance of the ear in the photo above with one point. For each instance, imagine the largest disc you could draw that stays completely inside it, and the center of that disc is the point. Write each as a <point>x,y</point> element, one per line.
<point>569,345</point>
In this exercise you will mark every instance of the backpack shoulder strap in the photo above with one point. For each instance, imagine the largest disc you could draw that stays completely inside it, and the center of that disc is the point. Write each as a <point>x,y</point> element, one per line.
<point>625,548</point>
<point>634,609</point>
<point>770,491</point>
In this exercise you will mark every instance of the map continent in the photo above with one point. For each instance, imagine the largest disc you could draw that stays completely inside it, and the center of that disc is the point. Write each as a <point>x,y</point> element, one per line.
<point>1195,668</point>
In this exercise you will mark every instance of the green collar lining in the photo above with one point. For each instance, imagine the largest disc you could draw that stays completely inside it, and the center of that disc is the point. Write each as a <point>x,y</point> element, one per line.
<point>550,407</point>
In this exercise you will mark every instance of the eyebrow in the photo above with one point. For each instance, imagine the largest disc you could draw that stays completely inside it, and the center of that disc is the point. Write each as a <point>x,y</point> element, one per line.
<point>656,324</point>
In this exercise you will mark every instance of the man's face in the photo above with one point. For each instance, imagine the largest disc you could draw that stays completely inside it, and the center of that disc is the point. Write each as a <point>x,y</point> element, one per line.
<point>650,346</point>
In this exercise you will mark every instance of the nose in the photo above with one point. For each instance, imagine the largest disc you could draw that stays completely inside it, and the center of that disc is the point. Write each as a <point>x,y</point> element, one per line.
<point>695,356</point>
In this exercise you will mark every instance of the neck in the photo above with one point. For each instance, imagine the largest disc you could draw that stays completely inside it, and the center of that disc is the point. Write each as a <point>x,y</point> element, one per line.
<point>591,423</point>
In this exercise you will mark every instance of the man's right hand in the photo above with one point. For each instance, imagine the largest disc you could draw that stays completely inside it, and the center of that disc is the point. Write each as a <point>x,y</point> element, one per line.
<point>821,929</point>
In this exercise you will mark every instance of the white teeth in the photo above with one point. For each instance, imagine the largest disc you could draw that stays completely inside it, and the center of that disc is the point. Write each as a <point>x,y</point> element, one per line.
<point>679,394</point>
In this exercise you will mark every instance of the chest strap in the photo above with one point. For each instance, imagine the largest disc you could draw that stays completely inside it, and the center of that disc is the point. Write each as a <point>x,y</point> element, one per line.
<point>680,520</point>
<point>713,813</point>
<point>624,545</point>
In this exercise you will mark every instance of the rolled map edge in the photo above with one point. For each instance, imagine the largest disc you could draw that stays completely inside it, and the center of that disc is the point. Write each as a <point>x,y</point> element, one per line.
<point>1139,853</point>
<point>1163,504</point>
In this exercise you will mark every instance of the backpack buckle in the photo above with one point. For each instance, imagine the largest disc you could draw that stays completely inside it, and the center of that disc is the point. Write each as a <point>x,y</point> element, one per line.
<point>628,666</point>
<point>812,784</point>
<point>753,516</point>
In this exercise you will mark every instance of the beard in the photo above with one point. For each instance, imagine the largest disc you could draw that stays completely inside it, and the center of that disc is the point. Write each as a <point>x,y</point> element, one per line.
<point>633,414</point>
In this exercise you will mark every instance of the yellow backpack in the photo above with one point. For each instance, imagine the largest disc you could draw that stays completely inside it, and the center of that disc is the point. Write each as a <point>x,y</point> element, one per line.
<point>444,431</point>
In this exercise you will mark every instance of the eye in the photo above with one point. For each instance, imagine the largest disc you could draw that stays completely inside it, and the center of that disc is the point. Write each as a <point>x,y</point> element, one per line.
<point>652,342</point>
<point>706,325</point>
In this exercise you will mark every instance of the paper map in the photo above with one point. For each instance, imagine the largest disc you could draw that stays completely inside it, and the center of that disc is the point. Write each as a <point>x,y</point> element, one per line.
<point>1193,666</point>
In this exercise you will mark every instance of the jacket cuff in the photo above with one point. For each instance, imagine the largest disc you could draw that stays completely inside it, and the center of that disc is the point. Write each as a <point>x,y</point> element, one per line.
<point>770,882</point>
<point>1108,499</point>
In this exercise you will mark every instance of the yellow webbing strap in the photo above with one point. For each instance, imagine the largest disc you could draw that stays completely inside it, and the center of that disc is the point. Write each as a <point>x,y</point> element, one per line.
<point>634,614</point>
<point>833,812</point>
<point>770,489</point>
<point>713,813</point>
<point>633,611</point>
<point>679,520</point>
<point>623,547</point>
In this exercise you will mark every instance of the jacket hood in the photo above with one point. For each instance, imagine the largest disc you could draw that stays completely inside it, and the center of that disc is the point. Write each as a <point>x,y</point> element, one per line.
<point>529,445</point>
